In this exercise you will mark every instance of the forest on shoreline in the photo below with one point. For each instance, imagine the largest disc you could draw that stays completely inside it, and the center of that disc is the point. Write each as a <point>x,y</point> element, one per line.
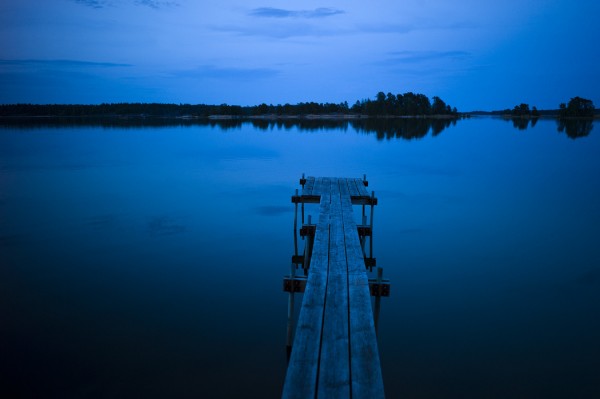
<point>383,105</point>
<point>398,105</point>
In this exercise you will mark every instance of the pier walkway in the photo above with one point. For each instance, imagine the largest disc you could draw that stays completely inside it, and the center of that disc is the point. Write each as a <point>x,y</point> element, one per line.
<point>334,352</point>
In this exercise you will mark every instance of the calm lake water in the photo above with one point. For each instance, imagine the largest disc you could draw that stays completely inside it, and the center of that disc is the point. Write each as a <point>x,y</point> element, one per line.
<point>147,261</point>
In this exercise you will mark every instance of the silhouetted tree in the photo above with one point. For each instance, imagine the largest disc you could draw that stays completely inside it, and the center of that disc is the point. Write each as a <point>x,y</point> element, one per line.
<point>521,110</point>
<point>438,107</point>
<point>577,108</point>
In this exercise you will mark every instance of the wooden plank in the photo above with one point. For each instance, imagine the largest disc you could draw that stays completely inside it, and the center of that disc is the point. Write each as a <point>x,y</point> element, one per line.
<point>322,186</point>
<point>362,190</point>
<point>354,254</point>
<point>367,381</point>
<point>308,187</point>
<point>361,196</point>
<point>301,377</point>
<point>352,188</point>
<point>320,255</point>
<point>334,369</point>
<point>365,368</point>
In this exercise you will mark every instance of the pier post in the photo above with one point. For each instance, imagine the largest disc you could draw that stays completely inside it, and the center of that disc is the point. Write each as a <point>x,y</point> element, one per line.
<point>296,226</point>
<point>372,212</point>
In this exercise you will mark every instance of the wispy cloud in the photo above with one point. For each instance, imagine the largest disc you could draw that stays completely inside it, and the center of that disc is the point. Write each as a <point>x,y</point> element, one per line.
<point>387,28</point>
<point>271,12</point>
<point>213,72</point>
<point>61,63</point>
<point>93,3</point>
<point>155,4</point>
<point>286,24</point>
<point>417,57</point>
<point>412,26</point>
<point>279,31</point>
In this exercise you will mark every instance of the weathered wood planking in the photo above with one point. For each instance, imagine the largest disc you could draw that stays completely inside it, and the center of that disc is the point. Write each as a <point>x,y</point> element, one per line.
<point>334,369</point>
<point>352,189</point>
<point>362,189</point>
<point>302,382</point>
<point>308,187</point>
<point>335,349</point>
<point>367,381</point>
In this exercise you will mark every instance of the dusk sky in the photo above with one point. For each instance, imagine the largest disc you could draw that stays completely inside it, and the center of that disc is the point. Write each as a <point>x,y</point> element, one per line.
<point>476,55</point>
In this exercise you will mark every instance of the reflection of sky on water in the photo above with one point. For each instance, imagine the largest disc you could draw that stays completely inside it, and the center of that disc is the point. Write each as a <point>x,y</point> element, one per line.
<point>138,260</point>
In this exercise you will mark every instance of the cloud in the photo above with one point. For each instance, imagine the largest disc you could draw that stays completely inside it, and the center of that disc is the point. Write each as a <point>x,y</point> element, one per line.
<point>387,28</point>
<point>61,63</point>
<point>92,3</point>
<point>156,4</point>
<point>426,63</point>
<point>271,12</point>
<point>286,24</point>
<point>279,31</point>
<point>403,28</point>
<point>147,3</point>
<point>403,57</point>
<point>213,72</point>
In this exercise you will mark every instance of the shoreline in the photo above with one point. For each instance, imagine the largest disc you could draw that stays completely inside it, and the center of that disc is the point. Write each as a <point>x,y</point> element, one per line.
<point>276,117</point>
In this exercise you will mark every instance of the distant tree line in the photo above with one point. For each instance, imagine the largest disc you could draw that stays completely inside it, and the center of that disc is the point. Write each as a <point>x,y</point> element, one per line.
<point>408,104</point>
<point>118,110</point>
<point>575,118</point>
<point>576,108</point>
<point>522,110</point>
<point>303,108</point>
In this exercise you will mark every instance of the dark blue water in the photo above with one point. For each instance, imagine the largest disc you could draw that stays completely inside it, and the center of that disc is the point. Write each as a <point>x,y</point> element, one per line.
<point>147,261</point>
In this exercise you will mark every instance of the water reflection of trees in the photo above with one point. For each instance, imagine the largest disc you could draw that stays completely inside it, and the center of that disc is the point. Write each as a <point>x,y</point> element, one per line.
<point>310,125</point>
<point>383,128</point>
<point>117,122</point>
<point>575,128</point>
<point>405,128</point>
<point>523,123</point>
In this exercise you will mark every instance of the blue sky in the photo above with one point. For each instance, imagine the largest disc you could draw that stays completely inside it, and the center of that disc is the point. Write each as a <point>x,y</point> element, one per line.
<point>473,54</point>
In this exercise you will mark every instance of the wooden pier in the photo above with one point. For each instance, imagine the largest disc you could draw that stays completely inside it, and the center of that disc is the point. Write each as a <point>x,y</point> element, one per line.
<point>334,352</point>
